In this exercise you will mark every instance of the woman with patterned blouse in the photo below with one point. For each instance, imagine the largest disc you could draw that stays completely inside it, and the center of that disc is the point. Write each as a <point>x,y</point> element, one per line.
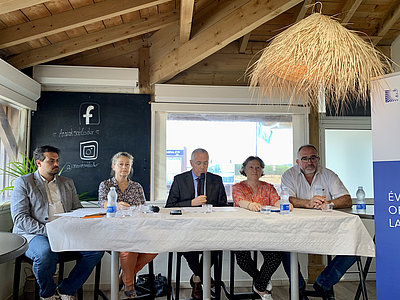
<point>251,194</point>
<point>130,193</point>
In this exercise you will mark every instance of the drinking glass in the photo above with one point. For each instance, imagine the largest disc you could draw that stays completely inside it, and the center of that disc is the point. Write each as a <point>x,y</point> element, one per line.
<point>327,207</point>
<point>265,209</point>
<point>124,211</point>
<point>207,208</point>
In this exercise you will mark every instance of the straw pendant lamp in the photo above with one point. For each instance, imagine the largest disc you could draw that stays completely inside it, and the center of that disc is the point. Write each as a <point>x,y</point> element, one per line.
<point>316,54</point>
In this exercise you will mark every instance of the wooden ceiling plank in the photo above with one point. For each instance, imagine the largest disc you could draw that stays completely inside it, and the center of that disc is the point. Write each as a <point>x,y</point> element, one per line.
<point>7,6</point>
<point>70,19</point>
<point>228,29</point>
<point>103,55</point>
<point>349,9</point>
<point>390,20</point>
<point>92,40</point>
<point>187,7</point>
<point>303,10</point>
<point>243,43</point>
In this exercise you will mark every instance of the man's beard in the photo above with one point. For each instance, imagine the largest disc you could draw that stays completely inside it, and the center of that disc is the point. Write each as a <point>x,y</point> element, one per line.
<point>53,172</point>
<point>309,171</point>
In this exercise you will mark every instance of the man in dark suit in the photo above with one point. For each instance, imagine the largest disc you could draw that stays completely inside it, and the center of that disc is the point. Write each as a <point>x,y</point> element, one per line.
<point>185,192</point>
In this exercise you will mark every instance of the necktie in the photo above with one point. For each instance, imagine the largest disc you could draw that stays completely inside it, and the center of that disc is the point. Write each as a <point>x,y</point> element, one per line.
<point>199,191</point>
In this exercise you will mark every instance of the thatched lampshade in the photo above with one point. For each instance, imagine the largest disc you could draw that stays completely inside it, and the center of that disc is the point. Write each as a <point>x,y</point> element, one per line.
<point>316,54</point>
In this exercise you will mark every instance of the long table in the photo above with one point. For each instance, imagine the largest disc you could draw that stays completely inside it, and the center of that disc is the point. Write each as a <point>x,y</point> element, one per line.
<point>303,231</point>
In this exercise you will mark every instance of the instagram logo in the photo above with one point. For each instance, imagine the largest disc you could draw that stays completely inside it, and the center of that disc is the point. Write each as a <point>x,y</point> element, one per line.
<point>89,114</point>
<point>89,150</point>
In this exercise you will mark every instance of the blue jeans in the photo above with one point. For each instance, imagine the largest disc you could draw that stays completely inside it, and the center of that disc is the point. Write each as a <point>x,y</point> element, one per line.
<point>286,266</point>
<point>330,275</point>
<point>335,270</point>
<point>45,263</point>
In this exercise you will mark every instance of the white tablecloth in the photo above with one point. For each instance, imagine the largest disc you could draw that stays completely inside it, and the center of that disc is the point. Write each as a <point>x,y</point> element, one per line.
<point>304,231</point>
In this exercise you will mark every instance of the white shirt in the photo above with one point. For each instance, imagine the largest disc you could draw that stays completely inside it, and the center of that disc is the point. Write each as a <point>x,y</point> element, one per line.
<point>298,186</point>
<point>54,198</point>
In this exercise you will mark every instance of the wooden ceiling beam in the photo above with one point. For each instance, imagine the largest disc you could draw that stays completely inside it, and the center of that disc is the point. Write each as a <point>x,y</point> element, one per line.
<point>7,6</point>
<point>349,9</point>
<point>187,7</point>
<point>390,20</point>
<point>92,40</point>
<point>70,19</point>
<point>228,29</point>
<point>303,10</point>
<point>243,43</point>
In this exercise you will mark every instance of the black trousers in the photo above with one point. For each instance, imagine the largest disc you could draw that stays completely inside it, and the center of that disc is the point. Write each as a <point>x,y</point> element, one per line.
<point>272,260</point>
<point>196,263</point>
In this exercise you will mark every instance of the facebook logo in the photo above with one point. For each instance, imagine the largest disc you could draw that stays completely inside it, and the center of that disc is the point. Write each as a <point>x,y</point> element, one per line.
<point>89,114</point>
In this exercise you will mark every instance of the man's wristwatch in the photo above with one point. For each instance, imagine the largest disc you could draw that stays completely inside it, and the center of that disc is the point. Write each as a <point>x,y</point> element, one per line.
<point>333,204</point>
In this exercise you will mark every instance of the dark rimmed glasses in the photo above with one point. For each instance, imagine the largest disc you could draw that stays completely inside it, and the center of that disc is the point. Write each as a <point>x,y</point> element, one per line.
<point>313,159</point>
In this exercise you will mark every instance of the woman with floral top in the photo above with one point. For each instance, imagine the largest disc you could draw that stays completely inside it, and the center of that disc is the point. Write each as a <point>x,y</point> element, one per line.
<point>130,193</point>
<point>251,194</point>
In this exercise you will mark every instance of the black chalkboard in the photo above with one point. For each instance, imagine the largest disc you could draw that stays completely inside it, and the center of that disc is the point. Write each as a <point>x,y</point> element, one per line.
<point>89,128</point>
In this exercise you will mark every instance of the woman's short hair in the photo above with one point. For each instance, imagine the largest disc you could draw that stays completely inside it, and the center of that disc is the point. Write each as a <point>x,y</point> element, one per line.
<point>118,155</point>
<point>250,158</point>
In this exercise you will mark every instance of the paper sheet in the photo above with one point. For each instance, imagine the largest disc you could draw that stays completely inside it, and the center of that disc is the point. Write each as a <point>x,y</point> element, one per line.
<point>83,212</point>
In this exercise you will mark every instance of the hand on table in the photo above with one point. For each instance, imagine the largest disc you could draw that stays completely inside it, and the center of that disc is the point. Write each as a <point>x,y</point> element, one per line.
<point>122,204</point>
<point>199,200</point>
<point>254,206</point>
<point>317,201</point>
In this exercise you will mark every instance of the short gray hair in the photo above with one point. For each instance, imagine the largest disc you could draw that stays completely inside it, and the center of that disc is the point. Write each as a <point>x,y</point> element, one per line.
<point>306,146</point>
<point>118,155</point>
<point>198,150</point>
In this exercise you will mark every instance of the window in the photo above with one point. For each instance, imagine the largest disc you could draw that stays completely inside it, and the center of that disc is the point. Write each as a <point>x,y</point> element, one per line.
<point>348,152</point>
<point>230,133</point>
<point>229,140</point>
<point>16,119</point>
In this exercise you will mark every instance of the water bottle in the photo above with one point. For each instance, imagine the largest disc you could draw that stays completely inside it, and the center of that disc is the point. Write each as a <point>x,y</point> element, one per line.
<point>361,206</point>
<point>112,203</point>
<point>285,207</point>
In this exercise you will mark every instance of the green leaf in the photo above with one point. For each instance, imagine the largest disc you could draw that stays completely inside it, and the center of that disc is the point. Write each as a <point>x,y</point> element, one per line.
<point>16,169</point>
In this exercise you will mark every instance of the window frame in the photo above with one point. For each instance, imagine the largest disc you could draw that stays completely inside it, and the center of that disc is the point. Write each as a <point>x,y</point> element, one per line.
<point>341,123</point>
<point>159,113</point>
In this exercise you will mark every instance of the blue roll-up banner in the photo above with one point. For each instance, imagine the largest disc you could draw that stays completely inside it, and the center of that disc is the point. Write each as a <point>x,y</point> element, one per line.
<point>385,114</point>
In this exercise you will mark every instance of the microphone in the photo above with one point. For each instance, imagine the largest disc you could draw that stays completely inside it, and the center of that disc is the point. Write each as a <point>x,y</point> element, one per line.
<point>202,179</point>
<point>154,208</point>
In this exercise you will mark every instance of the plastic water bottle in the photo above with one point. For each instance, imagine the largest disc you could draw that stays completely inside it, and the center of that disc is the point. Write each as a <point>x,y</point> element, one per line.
<point>112,203</point>
<point>285,207</point>
<point>361,206</point>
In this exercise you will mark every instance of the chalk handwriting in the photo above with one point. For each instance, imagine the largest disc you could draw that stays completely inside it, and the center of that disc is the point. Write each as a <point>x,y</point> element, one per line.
<point>76,132</point>
<point>69,166</point>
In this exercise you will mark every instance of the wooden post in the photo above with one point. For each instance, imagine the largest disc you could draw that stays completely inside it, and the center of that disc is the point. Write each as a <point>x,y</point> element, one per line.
<point>144,71</point>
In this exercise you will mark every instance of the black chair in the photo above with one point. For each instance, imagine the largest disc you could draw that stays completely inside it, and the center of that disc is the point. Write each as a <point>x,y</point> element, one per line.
<point>145,294</point>
<point>23,259</point>
<point>361,289</point>
<point>217,275</point>
<point>231,295</point>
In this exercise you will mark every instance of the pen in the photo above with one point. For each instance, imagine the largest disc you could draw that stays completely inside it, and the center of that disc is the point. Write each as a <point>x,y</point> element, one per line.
<point>95,216</point>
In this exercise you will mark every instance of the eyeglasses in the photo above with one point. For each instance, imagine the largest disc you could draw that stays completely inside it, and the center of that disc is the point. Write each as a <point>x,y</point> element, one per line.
<point>313,159</point>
